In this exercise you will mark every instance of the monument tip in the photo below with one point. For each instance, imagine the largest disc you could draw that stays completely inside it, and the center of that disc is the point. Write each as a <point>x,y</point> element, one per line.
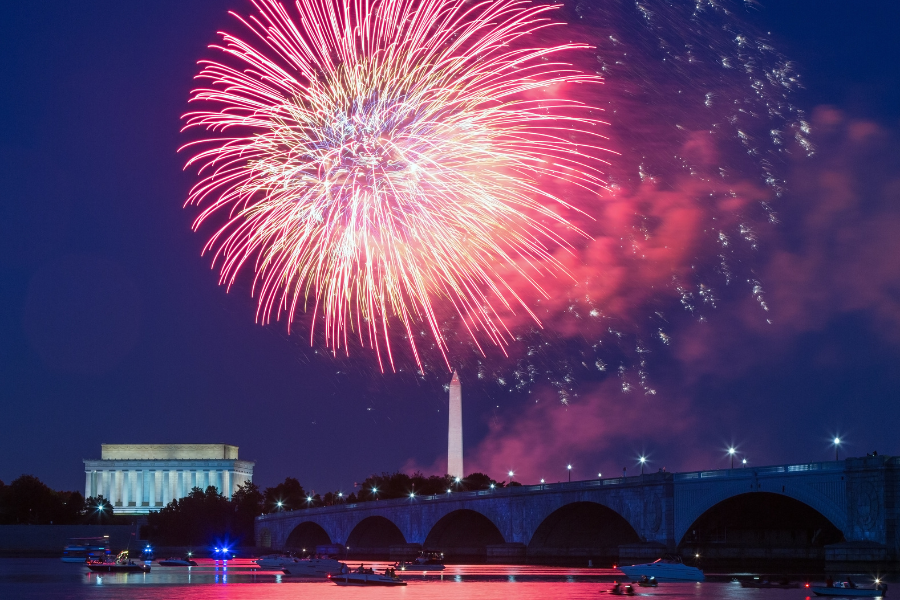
<point>455,379</point>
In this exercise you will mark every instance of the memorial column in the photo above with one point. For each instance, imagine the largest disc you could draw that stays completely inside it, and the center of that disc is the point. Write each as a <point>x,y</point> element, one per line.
<point>128,500</point>
<point>173,485</point>
<point>139,495</point>
<point>157,487</point>
<point>87,484</point>
<point>164,498</point>
<point>125,493</point>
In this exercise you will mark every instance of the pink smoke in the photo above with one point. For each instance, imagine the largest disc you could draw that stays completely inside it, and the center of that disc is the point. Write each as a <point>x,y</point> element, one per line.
<point>834,252</point>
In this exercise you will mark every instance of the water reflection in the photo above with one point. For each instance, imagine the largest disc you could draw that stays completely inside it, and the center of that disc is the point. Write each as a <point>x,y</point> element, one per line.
<point>29,579</point>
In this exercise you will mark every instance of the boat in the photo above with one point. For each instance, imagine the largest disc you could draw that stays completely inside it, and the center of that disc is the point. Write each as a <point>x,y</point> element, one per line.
<point>758,583</point>
<point>178,562</point>
<point>275,562</point>
<point>122,564</point>
<point>424,562</point>
<point>366,577</point>
<point>80,550</point>
<point>622,590</point>
<point>318,566</point>
<point>645,581</point>
<point>664,570</point>
<point>848,589</point>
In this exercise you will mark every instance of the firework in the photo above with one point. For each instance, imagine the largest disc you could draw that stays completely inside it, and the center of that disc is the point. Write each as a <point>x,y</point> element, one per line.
<point>375,160</point>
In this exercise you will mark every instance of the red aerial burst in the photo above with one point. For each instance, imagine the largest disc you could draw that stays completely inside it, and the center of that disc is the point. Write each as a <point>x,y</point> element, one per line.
<point>375,158</point>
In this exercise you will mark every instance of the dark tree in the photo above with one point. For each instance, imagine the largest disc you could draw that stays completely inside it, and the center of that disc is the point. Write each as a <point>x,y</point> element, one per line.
<point>201,517</point>
<point>290,494</point>
<point>27,500</point>
<point>97,509</point>
<point>433,485</point>
<point>73,508</point>
<point>477,481</point>
<point>400,485</point>
<point>247,502</point>
<point>332,499</point>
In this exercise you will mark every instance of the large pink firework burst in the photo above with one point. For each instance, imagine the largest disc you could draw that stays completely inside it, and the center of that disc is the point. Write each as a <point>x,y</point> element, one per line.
<point>373,160</point>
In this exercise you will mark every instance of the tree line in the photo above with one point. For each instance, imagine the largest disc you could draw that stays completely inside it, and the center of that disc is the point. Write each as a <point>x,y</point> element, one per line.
<point>29,501</point>
<point>207,517</point>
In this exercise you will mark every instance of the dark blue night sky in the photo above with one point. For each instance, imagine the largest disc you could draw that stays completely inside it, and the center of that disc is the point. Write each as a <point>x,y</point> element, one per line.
<point>113,328</point>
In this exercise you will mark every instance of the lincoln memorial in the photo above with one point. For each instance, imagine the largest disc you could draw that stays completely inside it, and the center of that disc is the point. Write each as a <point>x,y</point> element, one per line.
<point>139,478</point>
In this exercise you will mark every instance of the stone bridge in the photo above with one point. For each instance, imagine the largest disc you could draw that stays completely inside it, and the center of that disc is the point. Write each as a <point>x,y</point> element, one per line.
<point>842,511</point>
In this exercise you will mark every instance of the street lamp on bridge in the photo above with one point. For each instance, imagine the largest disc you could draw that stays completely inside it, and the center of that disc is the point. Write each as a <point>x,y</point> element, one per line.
<point>837,445</point>
<point>642,460</point>
<point>731,452</point>
<point>569,468</point>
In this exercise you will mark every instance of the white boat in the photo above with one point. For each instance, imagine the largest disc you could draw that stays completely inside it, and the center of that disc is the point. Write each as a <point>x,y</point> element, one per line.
<point>122,564</point>
<point>845,590</point>
<point>424,562</point>
<point>275,562</point>
<point>366,577</point>
<point>664,570</point>
<point>177,562</point>
<point>314,567</point>
<point>80,550</point>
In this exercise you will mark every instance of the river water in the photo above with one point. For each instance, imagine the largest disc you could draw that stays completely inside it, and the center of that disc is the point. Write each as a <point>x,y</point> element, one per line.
<point>238,580</point>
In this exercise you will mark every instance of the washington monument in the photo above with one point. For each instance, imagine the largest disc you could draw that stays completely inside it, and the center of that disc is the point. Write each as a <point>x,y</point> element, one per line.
<point>454,431</point>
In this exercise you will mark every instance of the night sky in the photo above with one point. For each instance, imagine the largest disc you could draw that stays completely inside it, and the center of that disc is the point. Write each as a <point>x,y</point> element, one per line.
<point>113,328</point>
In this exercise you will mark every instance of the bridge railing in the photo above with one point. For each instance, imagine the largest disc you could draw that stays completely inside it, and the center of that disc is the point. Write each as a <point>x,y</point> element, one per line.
<point>648,478</point>
<point>496,492</point>
<point>750,471</point>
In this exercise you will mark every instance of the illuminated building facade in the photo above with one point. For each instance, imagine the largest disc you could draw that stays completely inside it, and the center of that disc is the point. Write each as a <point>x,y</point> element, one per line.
<point>140,478</point>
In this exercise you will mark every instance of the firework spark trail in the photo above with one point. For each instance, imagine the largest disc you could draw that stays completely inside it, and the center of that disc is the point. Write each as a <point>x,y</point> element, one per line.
<point>385,157</point>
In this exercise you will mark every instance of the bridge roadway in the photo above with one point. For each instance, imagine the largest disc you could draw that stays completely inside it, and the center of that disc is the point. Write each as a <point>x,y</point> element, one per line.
<point>645,514</point>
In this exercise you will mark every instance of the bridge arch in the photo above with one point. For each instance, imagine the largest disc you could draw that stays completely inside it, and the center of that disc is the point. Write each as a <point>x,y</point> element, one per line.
<point>306,536</point>
<point>373,537</point>
<point>463,535</point>
<point>581,531</point>
<point>752,529</point>
<point>824,496</point>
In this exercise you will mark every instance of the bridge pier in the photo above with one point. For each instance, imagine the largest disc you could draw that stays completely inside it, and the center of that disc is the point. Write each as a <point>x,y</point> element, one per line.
<point>512,553</point>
